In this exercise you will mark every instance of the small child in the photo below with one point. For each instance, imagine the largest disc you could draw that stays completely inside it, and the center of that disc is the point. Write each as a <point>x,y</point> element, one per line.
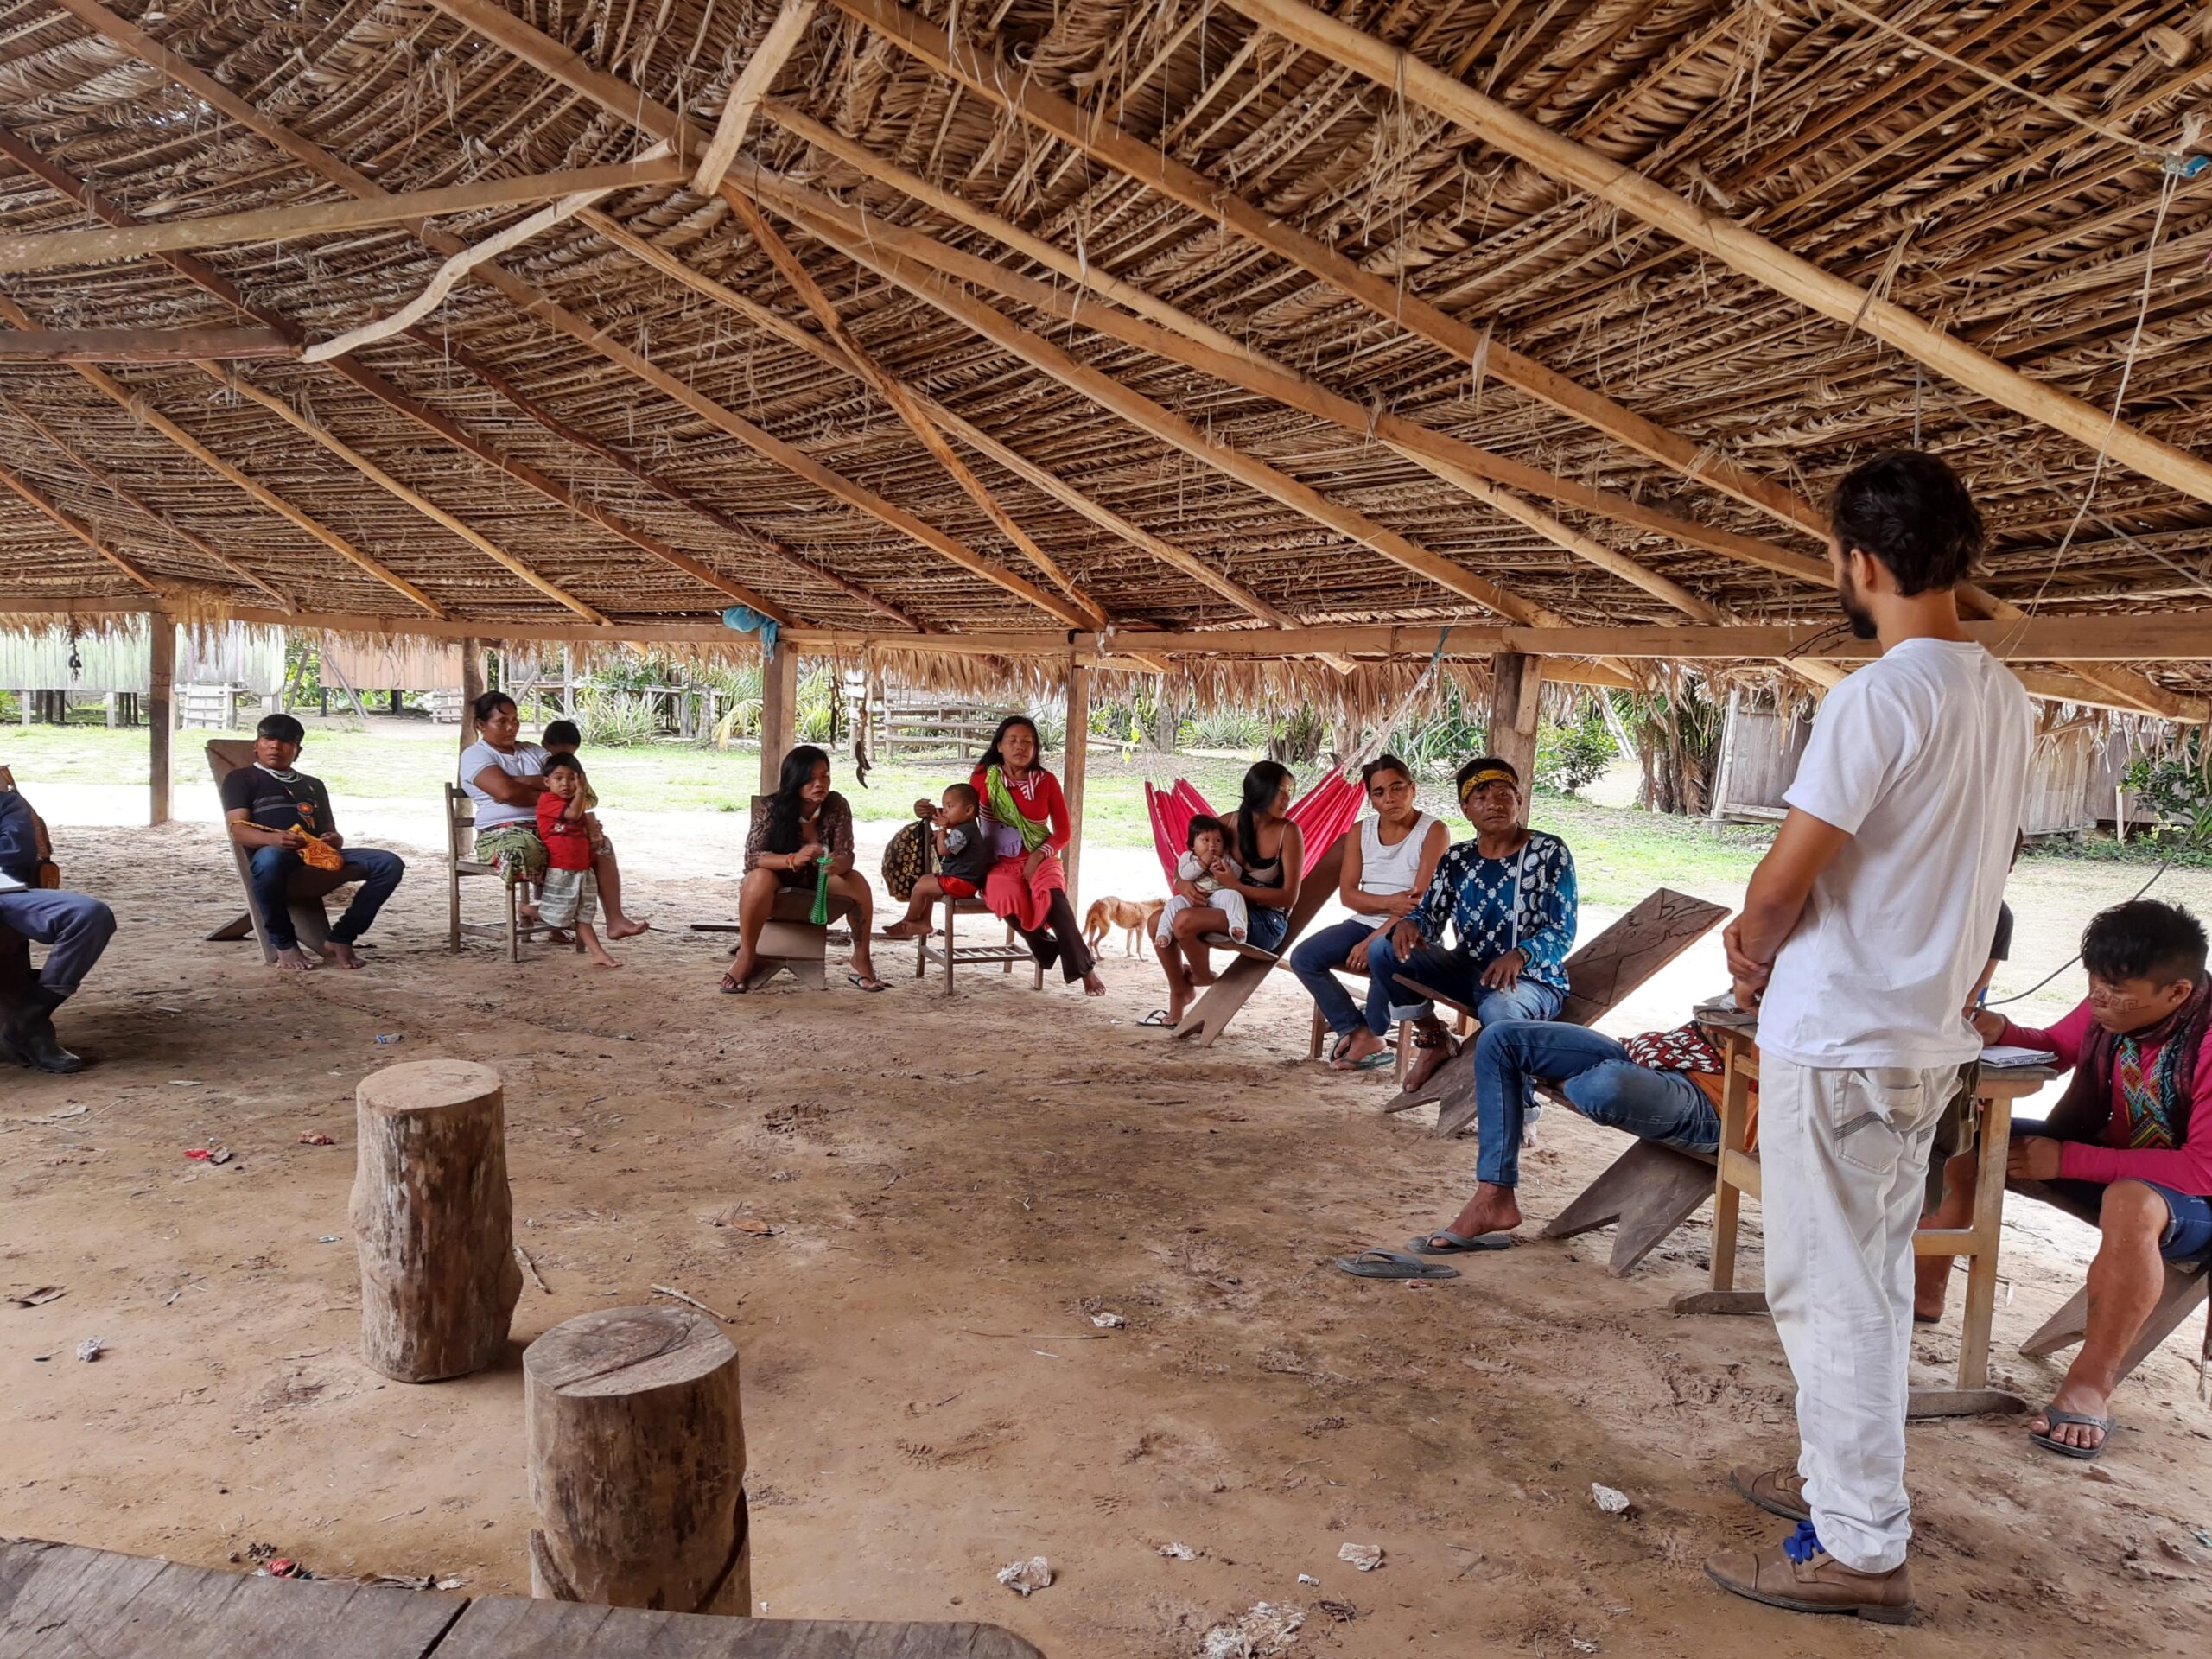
<point>565,737</point>
<point>1206,853</point>
<point>570,895</point>
<point>963,859</point>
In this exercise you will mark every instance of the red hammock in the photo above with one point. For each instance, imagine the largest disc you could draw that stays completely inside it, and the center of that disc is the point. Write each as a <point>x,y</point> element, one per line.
<point>1322,813</point>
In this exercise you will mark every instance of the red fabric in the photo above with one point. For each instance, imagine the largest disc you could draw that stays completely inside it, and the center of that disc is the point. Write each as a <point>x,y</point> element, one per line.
<point>1322,813</point>
<point>568,843</point>
<point>1023,900</point>
<point>2187,1168</point>
<point>956,886</point>
<point>1044,800</point>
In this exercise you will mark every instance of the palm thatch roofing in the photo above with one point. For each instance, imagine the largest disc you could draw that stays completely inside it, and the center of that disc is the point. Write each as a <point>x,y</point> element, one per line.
<point>1047,322</point>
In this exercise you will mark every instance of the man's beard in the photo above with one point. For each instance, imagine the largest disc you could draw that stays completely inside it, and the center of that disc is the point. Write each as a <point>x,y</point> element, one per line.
<point>1862,626</point>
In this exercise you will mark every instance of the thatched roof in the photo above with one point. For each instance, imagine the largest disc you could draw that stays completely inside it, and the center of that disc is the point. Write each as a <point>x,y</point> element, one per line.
<point>1993,168</point>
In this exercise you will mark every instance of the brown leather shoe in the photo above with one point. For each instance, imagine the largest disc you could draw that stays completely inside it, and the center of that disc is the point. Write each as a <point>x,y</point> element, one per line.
<point>1778,1491</point>
<point>1817,1584</point>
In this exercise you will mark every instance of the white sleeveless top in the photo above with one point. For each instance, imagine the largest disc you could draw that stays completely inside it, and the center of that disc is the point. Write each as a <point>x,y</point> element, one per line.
<point>1390,870</point>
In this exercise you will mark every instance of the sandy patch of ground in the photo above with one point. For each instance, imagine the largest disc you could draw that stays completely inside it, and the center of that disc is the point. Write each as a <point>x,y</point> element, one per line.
<point>955,1187</point>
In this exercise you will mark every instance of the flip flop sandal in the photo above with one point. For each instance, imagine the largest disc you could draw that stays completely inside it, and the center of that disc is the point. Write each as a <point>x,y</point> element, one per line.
<point>2086,1453</point>
<point>1460,1242</point>
<point>868,985</point>
<point>1366,1063</point>
<point>1393,1264</point>
<point>733,986</point>
<point>1156,1019</point>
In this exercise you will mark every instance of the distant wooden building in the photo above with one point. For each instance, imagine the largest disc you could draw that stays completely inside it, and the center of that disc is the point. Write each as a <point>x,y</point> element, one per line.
<point>214,666</point>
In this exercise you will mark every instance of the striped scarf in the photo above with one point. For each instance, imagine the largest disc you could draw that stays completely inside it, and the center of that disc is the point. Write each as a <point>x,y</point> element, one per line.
<point>998,796</point>
<point>2156,1095</point>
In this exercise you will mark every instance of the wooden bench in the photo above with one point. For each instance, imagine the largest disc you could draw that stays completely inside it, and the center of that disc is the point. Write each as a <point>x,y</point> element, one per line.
<point>953,954</point>
<point>308,886</point>
<point>1598,975</point>
<point>60,1601</point>
<point>1210,1015</point>
<point>2186,1287</point>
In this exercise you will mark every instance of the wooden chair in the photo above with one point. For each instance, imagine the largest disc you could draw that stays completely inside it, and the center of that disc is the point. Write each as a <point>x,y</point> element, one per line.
<point>308,886</point>
<point>954,955</point>
<point>1598,975</point>
<point>461,861</point>
<point>1210,1015</point>
<point>2187,1285</point>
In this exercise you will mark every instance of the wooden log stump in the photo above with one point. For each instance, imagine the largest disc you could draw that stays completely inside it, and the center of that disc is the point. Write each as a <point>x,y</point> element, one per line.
<point>637,1463</point>
<point>433,1220</point>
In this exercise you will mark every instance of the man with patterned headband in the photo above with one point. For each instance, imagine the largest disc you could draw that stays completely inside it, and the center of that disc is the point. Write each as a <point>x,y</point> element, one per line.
<point>1508,897</point>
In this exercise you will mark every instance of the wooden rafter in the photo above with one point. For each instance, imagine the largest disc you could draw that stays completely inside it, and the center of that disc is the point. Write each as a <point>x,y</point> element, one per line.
<point>67,248</point>
<point>141,410</point>
<point>750,87</point>
<point>902,400</point>
<point>1741,249</point>
<point>84,532</point>
<point>143,344</point>
<point>528,299</point>
<point>123,491</point>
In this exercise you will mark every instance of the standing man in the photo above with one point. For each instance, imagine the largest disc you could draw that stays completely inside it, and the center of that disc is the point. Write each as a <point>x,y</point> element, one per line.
<point>75,926</point>
<point>271,809</point>
<point>1860,938</point>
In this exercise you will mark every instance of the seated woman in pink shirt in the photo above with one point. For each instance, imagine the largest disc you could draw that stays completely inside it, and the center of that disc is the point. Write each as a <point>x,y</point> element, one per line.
<point>2133,1136</point>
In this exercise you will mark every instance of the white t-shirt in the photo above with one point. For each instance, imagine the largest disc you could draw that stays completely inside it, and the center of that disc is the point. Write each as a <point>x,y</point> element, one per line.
<point>1921,758</point>
<point>528,760</point>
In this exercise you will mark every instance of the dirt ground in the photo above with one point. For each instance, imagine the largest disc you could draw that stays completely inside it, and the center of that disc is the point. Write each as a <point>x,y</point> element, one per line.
<point>955,1187</point>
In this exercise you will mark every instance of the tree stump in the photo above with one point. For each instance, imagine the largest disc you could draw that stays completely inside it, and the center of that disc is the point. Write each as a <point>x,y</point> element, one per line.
<point>637,1463</point>
<point>433,1220</point>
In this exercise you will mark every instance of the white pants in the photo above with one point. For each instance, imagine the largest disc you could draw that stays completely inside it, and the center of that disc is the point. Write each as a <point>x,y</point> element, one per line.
<point>1843,1156</point>
<point>1231,905</point>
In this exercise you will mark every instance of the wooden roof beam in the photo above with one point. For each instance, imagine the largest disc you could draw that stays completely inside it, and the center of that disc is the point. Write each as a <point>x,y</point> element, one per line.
<point>142,345</point>
<point>68,521</point>
<point>750,87</point>
<point>107,481</point>
<point>63,249</point>
<point>530,300</point>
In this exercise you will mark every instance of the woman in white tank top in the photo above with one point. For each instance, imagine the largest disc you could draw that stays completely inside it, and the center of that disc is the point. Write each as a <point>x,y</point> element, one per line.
<point>1387,868</point>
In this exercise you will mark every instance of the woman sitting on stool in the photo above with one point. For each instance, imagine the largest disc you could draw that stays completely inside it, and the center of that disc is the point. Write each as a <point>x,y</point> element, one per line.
<point>802,820</point>
<point>1027,816</point>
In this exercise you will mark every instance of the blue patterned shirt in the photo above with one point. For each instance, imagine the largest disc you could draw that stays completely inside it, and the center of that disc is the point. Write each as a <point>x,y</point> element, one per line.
<point>1475,895</point>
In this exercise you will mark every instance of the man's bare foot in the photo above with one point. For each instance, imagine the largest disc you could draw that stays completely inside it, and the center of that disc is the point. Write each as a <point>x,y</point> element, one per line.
<point>2083,1401</point>
<point>627,928</point>
<point>1361,1043</point>
<point>1431,1050</point>
<point>1492,1210</point>
<point>344,954</point>
<point>294,960</point>
<point>1092,985</point>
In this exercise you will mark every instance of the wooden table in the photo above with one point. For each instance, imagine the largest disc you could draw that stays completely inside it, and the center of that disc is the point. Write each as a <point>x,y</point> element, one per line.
<point>1738,1175</point>
<point>58,1601</point>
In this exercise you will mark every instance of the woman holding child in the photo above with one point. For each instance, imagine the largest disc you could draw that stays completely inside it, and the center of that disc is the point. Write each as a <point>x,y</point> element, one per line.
<point>1262,865</point>
<point>801,823</point>
<point>1025,818</point>
<point>1387,868</point>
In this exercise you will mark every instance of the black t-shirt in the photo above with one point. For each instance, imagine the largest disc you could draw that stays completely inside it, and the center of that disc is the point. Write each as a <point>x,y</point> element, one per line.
<point>274,803</point>
<point>2000,948</point>
<point>971,859</point>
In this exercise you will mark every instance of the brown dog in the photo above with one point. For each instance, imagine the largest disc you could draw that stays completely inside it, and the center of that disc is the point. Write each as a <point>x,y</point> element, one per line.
<point>1137,921</point>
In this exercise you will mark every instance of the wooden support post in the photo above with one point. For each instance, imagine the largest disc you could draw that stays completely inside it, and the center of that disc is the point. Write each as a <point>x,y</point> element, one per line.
<point>472,687</point>
<point>1079,759</point>
<point>1515,680</point>
<point>637,1463</point>
<point>433,1219</point>
<point>160,713</point>
<point>779,710</point>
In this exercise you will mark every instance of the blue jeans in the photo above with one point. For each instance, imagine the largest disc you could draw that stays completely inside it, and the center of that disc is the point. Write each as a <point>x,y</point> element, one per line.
<point>1459,976</point>
<point>77,926</point>
<point>1600,1081</point>
<point>377,871</point>
<point>1311,962</point>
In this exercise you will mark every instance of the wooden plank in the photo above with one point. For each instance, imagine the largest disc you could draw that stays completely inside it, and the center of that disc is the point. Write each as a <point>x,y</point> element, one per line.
<point>1075,769</point>
<point>160,715</point>
<point>66,248</point>
<point>508,1627</point>
<point>142,345</point>
<point>750,87</point>
<point>779,712</point>
<point>60,1601</point>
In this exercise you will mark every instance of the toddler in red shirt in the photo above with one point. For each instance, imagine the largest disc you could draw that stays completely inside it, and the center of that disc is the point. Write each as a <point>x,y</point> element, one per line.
<point>570,896</point>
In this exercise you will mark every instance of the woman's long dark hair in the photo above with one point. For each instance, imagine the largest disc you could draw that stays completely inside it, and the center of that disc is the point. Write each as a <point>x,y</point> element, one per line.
<point>797,772</point>
<point>993,757</point>
<point>1261,784</point>
<point>489,703</point>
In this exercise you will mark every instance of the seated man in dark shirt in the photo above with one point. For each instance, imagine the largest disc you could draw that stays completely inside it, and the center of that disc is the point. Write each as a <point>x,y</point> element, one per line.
<point>272,811</point>
<point>76,926</point>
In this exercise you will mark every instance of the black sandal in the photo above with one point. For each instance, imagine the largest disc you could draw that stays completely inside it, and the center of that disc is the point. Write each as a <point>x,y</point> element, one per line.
<point>733,986</point>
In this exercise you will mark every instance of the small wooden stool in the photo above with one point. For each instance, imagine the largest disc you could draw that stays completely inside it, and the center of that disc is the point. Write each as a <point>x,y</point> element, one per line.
<point>791,941</point>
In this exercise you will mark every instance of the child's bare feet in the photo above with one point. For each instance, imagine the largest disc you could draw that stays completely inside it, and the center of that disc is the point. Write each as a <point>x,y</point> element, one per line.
<point>601,959</point>
<point>344,954</point>
<point>293,960</point>
<point>555,935</point>
<point>907,929</point>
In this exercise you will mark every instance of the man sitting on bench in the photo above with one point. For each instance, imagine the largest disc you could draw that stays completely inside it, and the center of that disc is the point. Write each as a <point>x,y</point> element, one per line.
<point>1510,897</point>
<point>76,926</point>
<point>271,810</point>
<point>1664,1086</point>
<point>2133,1136</point>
